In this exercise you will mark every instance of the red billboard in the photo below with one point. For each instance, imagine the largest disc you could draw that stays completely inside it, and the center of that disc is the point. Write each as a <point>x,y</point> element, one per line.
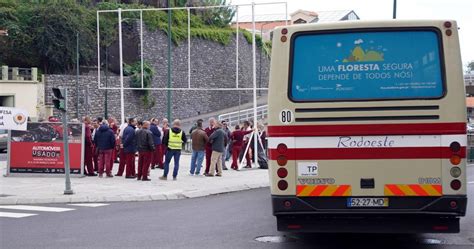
<point>40,149</point>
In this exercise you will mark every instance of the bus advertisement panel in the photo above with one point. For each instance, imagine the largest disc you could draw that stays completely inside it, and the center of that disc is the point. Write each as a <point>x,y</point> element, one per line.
<point>366,66</point>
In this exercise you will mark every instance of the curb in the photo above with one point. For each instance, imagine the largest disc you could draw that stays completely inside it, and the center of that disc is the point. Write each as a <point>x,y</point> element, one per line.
<point>172,195</point>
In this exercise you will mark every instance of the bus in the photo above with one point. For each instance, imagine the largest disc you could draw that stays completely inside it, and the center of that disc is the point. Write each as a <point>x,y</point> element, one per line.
<point>367,127</point>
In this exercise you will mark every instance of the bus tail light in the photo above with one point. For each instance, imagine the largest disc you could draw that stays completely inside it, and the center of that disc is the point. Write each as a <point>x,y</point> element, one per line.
<point>455,147</point>
<point>455,172</point>
<point>282,160</point>
<point>455,184</point>
<point>282,185</point>
<point>449,32</point>
<point>455,159</point>
<point>284,31</point>
<point>282,172</point>
<point>294,226</point>
<point>282,148</point>
<point>448,24</point>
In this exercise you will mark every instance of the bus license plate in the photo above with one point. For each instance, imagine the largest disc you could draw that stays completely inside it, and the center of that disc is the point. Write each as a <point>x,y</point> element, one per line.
<point>367,202</point>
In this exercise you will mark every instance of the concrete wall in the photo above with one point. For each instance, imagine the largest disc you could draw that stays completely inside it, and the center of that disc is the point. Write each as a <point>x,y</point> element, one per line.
<point>25,95</point>
<point>212,66</point>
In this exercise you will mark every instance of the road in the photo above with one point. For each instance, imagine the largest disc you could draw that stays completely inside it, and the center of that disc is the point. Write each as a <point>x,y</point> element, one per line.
<point>230,220</point>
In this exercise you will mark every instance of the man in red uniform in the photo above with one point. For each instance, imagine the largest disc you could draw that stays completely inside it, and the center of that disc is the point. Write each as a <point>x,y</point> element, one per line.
<point>164,148</point>
<point>237,142</point>
<point>145,147</point>
<point>88,150</point>
<point>209,130</point>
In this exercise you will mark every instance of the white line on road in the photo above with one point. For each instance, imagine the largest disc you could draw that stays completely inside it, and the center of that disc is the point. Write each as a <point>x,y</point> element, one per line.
<point>36,208</point>
<point>89,204</point>
<point>470,183</point>
<point>14,215</point>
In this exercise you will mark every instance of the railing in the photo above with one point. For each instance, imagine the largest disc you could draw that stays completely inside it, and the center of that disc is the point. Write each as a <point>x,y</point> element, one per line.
<point>18,74</point>
<point>469,79</point>
<point>235,118</point>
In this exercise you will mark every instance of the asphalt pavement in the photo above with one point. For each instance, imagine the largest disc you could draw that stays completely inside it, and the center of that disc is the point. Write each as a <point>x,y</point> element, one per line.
<point>233,220</point>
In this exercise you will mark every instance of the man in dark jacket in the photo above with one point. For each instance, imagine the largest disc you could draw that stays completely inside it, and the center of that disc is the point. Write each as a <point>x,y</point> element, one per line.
<point>145,147</point>
<point>129,148</point>
<point>104,139</point>
<point>199,140</point>
<point>157,140</point>
<point>218,139</point>
<point>173,140</point>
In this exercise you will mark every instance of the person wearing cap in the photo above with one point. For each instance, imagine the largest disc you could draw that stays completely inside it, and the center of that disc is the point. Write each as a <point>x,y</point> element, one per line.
<point>174,140</point>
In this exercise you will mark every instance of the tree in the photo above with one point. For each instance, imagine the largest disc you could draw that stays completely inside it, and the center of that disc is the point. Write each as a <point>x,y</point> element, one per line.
<point>43,34</point>
<point>470,66</point>
<point>217,17</point>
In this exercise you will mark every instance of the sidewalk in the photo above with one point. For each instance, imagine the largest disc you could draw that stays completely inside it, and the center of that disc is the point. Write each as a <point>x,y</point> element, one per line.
<point>40,189</point>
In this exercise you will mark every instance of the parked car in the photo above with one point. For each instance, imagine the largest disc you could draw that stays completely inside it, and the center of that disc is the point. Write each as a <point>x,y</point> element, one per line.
<point>3,140</point>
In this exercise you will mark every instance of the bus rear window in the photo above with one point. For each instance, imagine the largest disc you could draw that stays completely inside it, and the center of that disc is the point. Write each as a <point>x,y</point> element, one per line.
<point>369,65</point>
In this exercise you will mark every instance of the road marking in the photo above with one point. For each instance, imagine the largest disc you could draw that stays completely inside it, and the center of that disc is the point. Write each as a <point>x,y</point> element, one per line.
<point>15,215</point>
<point>89,204</point>
<point>36,208</point>
<point>470,183</point>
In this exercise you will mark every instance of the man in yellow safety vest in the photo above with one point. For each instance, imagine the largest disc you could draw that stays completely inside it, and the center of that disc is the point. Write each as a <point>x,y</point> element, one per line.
<point>173,140</point>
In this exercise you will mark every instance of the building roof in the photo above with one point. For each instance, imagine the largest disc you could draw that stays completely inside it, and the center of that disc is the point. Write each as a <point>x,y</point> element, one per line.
<point>319,17</point>
<point>306,12</point>
<point>332,16</point>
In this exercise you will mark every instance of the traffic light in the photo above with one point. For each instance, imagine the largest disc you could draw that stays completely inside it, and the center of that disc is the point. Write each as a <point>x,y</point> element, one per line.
<point>59,100</point>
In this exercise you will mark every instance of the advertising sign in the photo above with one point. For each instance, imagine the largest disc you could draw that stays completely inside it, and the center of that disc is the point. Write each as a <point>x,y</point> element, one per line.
<point>13,118</point>
<point>366,66</point>
<point>40,149</point>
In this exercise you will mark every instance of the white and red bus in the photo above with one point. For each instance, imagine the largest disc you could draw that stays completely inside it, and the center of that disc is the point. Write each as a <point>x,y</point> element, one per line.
<point>367,127</point>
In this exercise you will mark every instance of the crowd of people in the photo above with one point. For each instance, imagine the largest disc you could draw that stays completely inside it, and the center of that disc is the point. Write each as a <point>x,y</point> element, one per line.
<point>155,143</point>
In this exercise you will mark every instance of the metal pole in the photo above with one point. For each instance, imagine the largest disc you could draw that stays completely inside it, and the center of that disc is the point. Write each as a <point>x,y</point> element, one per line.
<point>189,48</point>
<point>237,54</point>
<point>237,48</point>
<point>168,109</point>
<point>254,79</point>
<point>286,13</point>
<point>77,75</point>
<point>106,81</point>
<point>394,9</point>
<point>98,51</point>
<point>141,46</point>
<point>122,107</point>
<point>67,169</point>
<point>260,62</point>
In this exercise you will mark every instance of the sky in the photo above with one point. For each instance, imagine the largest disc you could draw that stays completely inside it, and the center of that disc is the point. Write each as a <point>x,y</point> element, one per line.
<point>460,10</point>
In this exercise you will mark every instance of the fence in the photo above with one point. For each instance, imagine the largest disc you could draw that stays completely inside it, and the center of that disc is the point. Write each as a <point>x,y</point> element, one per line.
<point>235,118</point>
<point>18,74</point>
